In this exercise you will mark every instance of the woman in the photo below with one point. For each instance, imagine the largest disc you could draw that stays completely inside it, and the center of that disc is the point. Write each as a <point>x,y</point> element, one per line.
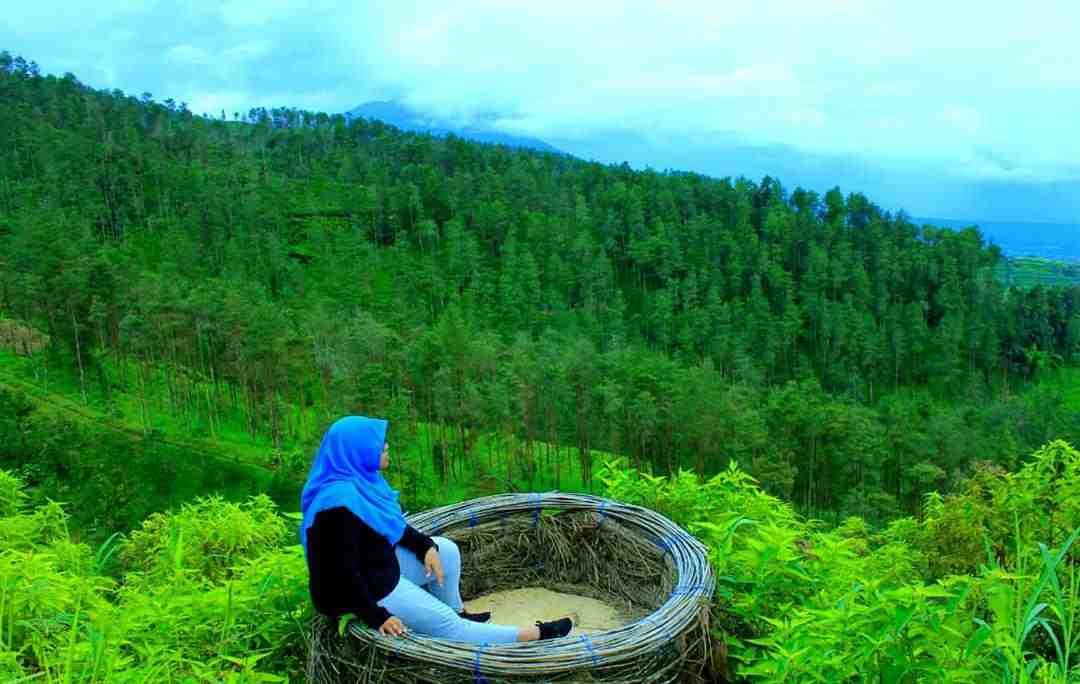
<point>363,558</point>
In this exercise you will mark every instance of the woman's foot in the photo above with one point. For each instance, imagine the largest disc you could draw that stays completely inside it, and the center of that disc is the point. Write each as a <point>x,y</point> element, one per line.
<point>555,628</point>
<point>476,617</point>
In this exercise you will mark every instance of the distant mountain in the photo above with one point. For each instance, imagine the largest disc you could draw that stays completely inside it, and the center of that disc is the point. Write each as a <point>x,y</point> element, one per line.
<point>397,114</point>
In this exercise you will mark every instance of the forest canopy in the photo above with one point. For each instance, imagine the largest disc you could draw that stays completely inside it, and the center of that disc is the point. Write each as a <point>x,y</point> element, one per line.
<point>286,258</point>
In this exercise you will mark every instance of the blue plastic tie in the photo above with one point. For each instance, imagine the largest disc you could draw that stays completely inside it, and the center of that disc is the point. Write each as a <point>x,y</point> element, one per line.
<point>536,511</point>
<point>589,647</point>
<point>472,518</point>
<point>664,544</point>
<point>601,512</point>
<point>478,676</point>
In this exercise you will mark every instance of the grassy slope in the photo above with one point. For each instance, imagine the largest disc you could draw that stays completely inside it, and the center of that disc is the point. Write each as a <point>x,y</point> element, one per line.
<point>1027,272</point>
<point>412,467</point>
<point>61,397</point>
<point>1067,382</point>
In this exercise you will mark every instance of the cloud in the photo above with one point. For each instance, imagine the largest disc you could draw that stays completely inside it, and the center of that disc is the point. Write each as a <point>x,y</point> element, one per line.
<point>252,50</point>
<point>188,54</point>
<point>965,120</point>
<point>954,87</point>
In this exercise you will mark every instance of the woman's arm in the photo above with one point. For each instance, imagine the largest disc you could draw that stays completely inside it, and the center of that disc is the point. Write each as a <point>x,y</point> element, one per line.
<point>416,541</point>
<point>373,615</point>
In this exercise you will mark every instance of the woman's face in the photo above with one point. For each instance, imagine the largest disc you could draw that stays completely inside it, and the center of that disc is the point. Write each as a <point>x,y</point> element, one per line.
<point>384,460</point>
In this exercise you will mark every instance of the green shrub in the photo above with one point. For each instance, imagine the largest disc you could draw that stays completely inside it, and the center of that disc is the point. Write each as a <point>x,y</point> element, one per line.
<point>205,540</point>
<point>46,524</point>
<point>11,494</point>
<point>262,608</point>
<point>961,530</point>
<point>211,595</point>
<point>953,597</point>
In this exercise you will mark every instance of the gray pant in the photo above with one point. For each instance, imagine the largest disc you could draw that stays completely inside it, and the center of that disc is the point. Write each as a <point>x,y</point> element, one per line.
<point>435,611</point>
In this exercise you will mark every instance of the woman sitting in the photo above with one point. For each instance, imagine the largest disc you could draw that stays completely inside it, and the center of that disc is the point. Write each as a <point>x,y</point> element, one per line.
<point>363,558</point>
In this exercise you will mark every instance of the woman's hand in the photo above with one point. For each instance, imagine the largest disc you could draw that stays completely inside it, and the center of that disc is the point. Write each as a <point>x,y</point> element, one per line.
<point>433,564</point>
<point>392,627</point>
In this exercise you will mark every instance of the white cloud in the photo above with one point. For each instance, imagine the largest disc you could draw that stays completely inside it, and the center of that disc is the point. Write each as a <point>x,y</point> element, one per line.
<point>808,117</point>
<point>245,13</point>
<point>188,54</point>
<point>931,82</point>
<point>249,51</point>
<point>891,89</point>
<point>964,120</point>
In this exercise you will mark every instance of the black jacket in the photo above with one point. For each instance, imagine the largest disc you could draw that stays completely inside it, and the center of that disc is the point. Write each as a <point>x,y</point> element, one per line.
<point>351,566</point>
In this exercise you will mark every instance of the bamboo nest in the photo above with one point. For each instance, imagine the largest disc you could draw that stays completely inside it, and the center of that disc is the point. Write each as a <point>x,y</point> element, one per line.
<point>628,556</point>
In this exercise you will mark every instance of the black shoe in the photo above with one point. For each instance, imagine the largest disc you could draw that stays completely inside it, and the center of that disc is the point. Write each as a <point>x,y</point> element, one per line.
<point>475,617</point>
<point>555,628</point>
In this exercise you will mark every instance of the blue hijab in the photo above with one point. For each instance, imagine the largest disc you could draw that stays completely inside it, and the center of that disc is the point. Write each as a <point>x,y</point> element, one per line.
<point>346,473</point>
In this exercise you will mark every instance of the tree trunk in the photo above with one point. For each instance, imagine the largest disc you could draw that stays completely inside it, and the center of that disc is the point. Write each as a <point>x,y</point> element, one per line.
<point>78,354</point>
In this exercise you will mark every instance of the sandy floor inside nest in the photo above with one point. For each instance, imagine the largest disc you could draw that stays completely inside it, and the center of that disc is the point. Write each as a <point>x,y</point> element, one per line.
<point>526,606</point>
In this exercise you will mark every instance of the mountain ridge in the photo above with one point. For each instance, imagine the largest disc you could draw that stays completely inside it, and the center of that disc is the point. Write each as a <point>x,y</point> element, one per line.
<point>407,119</point>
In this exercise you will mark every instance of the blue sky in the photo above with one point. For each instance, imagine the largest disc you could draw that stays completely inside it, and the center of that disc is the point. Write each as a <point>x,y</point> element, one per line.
<point>947,108</point>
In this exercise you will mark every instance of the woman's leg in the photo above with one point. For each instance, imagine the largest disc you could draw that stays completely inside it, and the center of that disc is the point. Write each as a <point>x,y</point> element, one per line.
<point>412,569</point>
<point>423,612</point>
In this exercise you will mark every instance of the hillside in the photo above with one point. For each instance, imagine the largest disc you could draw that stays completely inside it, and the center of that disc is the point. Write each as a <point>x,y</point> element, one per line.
<point>292,265</point>
<point>854,415</point>
<point>215,591</point>
<point>92,452</point>
<point>1026,272</point>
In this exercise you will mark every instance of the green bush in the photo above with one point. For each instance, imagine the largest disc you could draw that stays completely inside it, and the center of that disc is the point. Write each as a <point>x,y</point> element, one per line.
<point>982,587</point>
<point>209,595</point>
<point>979,520</point>
<point>966,594</point>
<point>205,540</point>
<point>11,494</point>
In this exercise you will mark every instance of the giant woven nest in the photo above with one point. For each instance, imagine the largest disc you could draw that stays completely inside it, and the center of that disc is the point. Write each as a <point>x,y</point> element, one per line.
<point>626,556</point>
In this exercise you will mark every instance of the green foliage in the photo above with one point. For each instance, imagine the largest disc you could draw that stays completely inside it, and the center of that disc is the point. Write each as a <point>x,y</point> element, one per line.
<point>176,327</point>
<point>1028,271</point>
<point>11,494</point>
<point>221,600</point>
<point>209,593</point>
<point>45,523</point>
<point>1018,604</point>
<point>110,479</point>
<point>1065,383</point>
<point>798,602</point>
<point>206,540</point>
<point>190,281</point>
<point>961,529</point>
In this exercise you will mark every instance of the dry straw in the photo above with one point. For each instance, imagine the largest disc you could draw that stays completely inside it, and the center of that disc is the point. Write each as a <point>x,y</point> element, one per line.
<point>628,556</point>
